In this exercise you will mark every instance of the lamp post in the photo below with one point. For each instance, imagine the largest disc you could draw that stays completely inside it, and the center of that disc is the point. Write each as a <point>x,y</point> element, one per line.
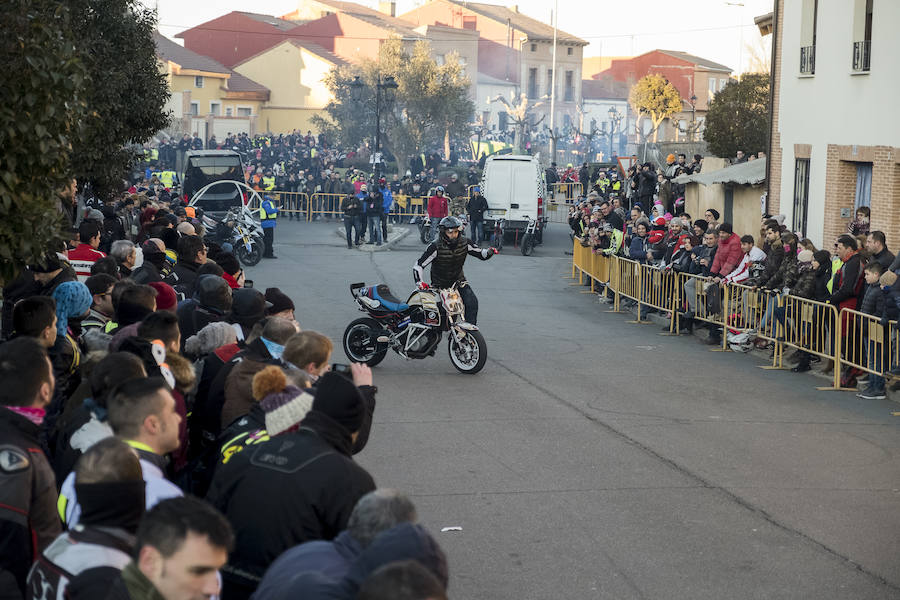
<point>693,114</point>
<point>387,86</point>
<point>615,117</point>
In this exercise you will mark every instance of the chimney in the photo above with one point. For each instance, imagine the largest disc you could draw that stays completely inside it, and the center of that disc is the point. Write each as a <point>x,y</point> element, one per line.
<point>388,8</point>
<point>514,8</point>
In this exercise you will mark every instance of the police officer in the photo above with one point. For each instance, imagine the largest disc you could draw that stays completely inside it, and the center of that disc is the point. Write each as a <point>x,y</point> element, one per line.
<point>268,212</point>
<point>446,256</point>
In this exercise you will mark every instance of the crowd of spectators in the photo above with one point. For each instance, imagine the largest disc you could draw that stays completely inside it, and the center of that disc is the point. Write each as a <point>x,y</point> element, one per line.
<point>169,432</point>
<point>860,273</point>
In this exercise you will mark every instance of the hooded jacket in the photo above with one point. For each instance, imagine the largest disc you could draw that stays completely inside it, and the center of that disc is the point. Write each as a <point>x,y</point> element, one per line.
<point>728,255</point>
<point>297,487</point>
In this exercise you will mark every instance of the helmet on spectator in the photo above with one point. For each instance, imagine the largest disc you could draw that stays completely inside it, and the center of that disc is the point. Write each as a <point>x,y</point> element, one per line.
<point>439,189</point>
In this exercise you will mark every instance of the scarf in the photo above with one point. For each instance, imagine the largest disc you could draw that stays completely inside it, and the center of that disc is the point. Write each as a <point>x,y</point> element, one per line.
<point>35,415</point>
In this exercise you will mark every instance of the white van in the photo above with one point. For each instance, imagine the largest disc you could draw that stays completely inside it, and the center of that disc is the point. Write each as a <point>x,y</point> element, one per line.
<point>514,188</point>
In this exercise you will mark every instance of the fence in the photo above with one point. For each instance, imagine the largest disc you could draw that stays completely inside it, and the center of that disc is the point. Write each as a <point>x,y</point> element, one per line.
<point>847,337</point>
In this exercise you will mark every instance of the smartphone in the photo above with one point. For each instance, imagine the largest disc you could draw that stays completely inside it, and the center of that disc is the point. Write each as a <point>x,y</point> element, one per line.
<point>248,283</point>
<point>342,369</point>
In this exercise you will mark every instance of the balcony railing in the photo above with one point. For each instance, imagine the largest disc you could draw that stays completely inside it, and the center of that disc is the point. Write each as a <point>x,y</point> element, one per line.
<point>862,52</point>
<point>808,60</point>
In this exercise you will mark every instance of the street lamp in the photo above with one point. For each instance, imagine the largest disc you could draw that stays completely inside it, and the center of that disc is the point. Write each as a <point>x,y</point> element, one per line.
<point>387,86</point>
<point>693,114</point>
<point>615,117</point>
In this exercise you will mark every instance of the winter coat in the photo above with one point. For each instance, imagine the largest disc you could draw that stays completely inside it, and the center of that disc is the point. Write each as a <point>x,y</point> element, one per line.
<point>476,207</point>
<point>872,300</point>
<point>728,255</point>
<point>438,207</point>
<point>699,253</point>
<point>787,273</point>
<point>805,286</point>
<point>299,487</point>
<point>331,559</point>
<point>774,258</point>
<point>28,519</point>
<point>350,206</point>
<point>847,283</point>
<point>637,250</point>
<point>823,277</point>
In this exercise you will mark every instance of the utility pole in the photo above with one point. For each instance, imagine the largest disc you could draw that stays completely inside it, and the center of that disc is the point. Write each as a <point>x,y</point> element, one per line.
<point>555,18</point>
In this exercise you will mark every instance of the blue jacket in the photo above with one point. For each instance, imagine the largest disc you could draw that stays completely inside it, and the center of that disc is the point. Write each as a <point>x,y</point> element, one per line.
<point>362,202</point>
<point>637,250</point>
<point>269,207</point>
<point>331,559</point>
<point>388,199</point>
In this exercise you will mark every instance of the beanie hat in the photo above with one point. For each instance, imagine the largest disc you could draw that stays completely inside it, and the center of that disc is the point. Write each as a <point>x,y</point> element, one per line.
<point>279,300</point>
<point>248,306</point>
<point>702,224</point>
<point>285,405</point>
<point>166,299</point>
<point>185,228</point>
<point>338,398</point>
<point>212,292</point>
<point>213,336</point>
<point>73,299</point>
<point>805,256</point>
<point>94,215</point>
<point>888,278</point>
<point>670,158</point>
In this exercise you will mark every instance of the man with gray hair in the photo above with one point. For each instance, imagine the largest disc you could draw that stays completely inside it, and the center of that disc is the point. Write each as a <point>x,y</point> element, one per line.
<point>125,253</point>
<point>375,512</point>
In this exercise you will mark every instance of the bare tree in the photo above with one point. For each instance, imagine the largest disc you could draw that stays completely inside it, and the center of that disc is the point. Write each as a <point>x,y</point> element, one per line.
<point>519,113</point>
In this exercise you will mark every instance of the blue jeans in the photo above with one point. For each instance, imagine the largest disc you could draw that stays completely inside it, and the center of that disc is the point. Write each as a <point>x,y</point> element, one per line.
<point>374,229</point>
<point>873,360</point>
<point>477,231</point>
<point>434,228</point>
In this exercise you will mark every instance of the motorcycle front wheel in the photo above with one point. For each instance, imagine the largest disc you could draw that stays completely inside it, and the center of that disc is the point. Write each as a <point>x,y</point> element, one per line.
<point>251,257</point>
<point>469,354</point>
<point>527,244</point>
<point>361,342</point>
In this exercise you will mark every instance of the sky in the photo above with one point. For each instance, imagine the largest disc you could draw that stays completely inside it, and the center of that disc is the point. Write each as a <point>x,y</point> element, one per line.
<point>717,30</point>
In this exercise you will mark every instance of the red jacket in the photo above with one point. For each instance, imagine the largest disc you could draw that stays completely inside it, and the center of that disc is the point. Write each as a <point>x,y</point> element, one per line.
<point>438,207</point>
<point>82,259</point>
<point>728,256</point>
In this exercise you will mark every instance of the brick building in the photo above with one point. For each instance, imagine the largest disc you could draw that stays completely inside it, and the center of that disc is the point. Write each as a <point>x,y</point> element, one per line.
<point>834,137</point>
<point>691,75</point>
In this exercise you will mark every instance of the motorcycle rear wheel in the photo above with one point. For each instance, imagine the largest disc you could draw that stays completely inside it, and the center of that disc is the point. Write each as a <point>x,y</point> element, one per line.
<point>527,244</point>
<point>470,355</point>
<point>251,257</point>
<point>360,342</point>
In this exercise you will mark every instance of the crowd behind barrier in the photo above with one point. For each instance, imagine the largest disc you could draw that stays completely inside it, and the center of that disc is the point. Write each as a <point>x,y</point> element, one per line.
<point>809,326</point>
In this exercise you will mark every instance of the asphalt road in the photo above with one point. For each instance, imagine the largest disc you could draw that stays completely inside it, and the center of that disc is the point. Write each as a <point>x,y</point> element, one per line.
<point>593,458</point>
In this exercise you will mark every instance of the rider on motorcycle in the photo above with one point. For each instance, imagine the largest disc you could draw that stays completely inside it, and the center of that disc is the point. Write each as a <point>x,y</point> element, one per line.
<point>446,256</point>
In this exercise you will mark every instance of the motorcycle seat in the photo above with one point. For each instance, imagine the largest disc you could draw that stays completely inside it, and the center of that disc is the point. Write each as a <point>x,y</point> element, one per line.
<point>383,294</point>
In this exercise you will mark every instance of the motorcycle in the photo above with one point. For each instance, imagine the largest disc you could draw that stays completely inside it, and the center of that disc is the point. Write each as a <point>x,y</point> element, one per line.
<point>242,231</point>
<point>424,224</point>
<point>413,329</point>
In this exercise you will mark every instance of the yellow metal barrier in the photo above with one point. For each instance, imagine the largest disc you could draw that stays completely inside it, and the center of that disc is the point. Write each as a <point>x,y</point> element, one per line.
<point>565,192</point>
<point>893,347</point>
<point>863,343</point>
<point>752,308</point>
<point>808,326</point>
<point>692,290</point>
<point>290,203</point>
<point>325,205</point>
<point>627,276</point>
<point>659,290</point>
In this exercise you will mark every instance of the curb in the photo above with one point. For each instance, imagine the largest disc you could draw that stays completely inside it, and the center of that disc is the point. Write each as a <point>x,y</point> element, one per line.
<point>395,234</point>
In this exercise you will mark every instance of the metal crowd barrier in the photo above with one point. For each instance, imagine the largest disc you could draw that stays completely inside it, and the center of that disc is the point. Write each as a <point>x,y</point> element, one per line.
<point>847,337</point>
<point>565,192</point>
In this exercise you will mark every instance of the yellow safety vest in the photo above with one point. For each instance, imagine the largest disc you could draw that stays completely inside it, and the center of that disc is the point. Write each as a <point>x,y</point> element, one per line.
<point>312,152</point>
<point>167,178</point>
<point>154,153</point>
<point>268,183</point>
<point>836,263</point>
<point>264,216</point>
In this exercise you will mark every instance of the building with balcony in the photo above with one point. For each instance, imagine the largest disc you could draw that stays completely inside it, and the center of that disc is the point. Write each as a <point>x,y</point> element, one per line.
<point>834,141</point>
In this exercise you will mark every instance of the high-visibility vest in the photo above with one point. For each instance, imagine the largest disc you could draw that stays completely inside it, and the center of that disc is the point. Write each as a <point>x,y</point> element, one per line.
<point>268,183</point>
<point>157,174</point>
<point>312,152</point>
<point>266,216</point>
<point>167,178</point>
<point>154,153</point>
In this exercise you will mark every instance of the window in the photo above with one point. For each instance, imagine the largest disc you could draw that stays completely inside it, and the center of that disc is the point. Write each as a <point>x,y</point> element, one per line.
<point>195,109</point>
<point>215,109</point>
<point>722,83</point>
<point>809,16</point>
<point>244,111</point>
<point>801,195</point>
<point>863,185</point>
<point>198,81</point>
<point>862,34</point>
<point>712,87</point>
<point>229,111</point>
<point>503,121</point>
<point>549,81</point>
<point>570,88</point>
<point>569,51</point>
<point>532,83</point>
<point>534,47</point>
<point>463,61</point>
<point>439,59</point>
<point>469,22</point>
